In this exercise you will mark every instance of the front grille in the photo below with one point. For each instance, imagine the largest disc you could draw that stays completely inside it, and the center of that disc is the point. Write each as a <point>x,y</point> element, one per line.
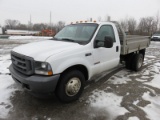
<point>23,64</point>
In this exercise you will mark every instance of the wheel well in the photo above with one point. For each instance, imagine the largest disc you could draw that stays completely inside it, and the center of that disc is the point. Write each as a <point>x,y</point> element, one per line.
<point>81,68</point>
<point>125,57</point>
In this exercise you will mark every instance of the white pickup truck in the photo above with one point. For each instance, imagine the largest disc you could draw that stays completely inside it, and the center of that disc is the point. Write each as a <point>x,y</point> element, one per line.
<point>75,54</point>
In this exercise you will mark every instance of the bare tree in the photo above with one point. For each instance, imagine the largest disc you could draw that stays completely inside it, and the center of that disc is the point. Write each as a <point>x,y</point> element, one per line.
<point>99,19</point>
<point>141,26</point>
<point>21,27</point>
<point>147,26</point>
<point>40,26</point>
<point>157,19</point>
<point>59,26</point>
<point>124,24</point>
<point>132,25</point>
<point>11,24</point>
<point>151,25</point>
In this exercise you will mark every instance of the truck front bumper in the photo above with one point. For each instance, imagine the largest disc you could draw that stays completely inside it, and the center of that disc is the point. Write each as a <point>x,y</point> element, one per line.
<point>35,83</point>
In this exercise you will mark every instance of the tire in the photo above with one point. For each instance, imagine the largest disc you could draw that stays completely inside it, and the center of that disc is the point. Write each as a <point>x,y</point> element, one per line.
<point>71,86</point>
<point>137,62</point>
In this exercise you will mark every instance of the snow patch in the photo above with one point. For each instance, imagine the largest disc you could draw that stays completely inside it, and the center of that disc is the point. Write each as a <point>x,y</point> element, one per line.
<point>4,64</point>
<point>136,102</point>
<point>155,69</point>
<point>157,64</point>
<point>152,110</point>
<point>127,93</point>
<point>149,56</point>
<point>140,80</point>
<point>151,90</point>
<point>133,118</point>
<point>6,87</point>
<point>155,82</point>
<point>145,77</point>
<point>146,72</point>
<point>119,78</point>
<point>108,101</point>
<point>6,92</point>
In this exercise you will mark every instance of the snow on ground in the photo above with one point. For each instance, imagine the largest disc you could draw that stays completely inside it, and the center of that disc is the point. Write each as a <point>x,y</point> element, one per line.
<point>155,69</point>
<point>153,109</point>
<point>28,37</point>
<point>149,56</point>
<point>133,118</point>
<point>136,102</point>
<point>4,64</point>
<point>157,64</point>
<point>100,99</point>
<point>119,78</point>
<point>155,82</point>
<point>6,87</point>
<point>107,101</point>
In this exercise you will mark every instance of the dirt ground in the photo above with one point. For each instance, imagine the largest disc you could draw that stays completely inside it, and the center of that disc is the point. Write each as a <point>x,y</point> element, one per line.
<point>129,85</point>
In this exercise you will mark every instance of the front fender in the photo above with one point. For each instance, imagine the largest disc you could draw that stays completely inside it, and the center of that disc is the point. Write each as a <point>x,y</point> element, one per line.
<point>60,65</point>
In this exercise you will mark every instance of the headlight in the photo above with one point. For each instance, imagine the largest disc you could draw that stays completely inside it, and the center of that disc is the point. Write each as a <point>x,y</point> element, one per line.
<point>43,68</point>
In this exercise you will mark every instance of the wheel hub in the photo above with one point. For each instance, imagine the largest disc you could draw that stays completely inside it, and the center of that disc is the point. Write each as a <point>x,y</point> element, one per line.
<point>73,86</point>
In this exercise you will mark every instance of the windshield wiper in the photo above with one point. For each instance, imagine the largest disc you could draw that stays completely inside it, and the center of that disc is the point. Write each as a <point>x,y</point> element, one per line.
<point>67,39</point>
<point>63,39</point>
<point>54,38</point>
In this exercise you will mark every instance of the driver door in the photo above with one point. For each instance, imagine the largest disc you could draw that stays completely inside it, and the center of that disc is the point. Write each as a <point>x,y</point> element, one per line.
<point>105,58</point>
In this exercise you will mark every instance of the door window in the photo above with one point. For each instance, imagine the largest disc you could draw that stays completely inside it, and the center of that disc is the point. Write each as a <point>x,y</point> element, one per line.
<point>106,30</point>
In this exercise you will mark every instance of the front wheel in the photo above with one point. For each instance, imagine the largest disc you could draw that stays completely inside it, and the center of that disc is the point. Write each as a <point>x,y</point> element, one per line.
<point>70,86</point>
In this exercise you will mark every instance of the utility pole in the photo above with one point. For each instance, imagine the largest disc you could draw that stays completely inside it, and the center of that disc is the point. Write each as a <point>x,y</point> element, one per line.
<point>51,19</point>
<point>30,23</point>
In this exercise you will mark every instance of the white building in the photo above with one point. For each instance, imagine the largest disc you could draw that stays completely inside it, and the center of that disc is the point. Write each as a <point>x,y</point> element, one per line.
<point>20,32</point>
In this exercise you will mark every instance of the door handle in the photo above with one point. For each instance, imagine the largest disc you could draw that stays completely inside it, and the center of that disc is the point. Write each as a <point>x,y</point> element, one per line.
<point>117,48</point>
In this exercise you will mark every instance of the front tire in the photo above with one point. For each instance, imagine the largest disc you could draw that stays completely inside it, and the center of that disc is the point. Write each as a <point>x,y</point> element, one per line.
<point>71,86</point>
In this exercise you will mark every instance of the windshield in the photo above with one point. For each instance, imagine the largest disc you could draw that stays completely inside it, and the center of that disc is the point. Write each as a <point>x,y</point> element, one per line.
<point>81,33</point>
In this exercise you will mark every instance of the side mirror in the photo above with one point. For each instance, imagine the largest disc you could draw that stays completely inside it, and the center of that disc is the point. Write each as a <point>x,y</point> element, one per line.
<point>108,42</point>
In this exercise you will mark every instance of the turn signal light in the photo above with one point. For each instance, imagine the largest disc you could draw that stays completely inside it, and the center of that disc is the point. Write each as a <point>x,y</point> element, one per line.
<point>50,73</point>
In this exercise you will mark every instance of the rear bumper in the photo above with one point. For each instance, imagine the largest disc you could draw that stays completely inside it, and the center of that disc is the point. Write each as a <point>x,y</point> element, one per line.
<point>35,83</point>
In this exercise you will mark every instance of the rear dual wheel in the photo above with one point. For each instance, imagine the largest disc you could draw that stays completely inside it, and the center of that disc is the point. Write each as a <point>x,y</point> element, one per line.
<point>137,62</point>
<point>134,61</point>
<point>128,61</point>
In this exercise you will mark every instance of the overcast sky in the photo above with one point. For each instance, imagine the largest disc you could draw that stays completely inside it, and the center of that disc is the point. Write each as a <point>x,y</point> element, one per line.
<point>73,10</point>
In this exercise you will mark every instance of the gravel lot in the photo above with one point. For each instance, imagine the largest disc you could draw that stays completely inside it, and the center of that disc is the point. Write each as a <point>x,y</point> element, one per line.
<point>120,94</point>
